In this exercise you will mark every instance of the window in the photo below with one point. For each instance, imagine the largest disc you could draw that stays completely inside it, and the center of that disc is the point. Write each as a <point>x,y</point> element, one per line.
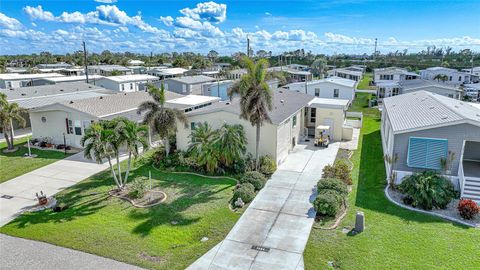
<point>69,126</point>
<point>294,121</point>
<point>44,119</point>
<point>381,92</point>
<point>336,93</point>
<point>459,78</point>
<point>450,78</point>
<point>313,114</point>
<point>426,153</point>
<point>131,86</point>
<point>450,95</point>
<point>123,87</point>
<point>395,91</point>
<point>192,126</point>
<point>317,92</point>
<point>78,127</point>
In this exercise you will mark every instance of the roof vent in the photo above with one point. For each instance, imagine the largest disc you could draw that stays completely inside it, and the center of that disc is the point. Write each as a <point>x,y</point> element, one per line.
<point>61,90</point>
<point>23,94</point>
<point>282,101</point>
<point>431,107</point>
<point>227,103</point>
<point>456,106</point>
<point>101,97</point>
<point>444,116</point>
<point>71,102</point>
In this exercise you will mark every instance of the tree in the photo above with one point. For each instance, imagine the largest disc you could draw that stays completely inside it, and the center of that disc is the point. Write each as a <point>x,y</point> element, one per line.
<point>116,73</point>
<point>203,148</point>
<point>161,120</point>
<point>212,55</point>
<point>319,66</point>
<point>255,96</point>
<point>231,141</point>
<point>10,112</point>
<point>441,77</point>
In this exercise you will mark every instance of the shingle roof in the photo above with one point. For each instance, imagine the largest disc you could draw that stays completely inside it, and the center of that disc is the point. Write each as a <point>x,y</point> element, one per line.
<point>422,110</point>
<point>285,103</point>
<point>193,79</point>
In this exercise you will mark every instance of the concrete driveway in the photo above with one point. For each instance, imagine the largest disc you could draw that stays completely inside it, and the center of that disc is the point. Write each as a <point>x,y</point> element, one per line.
<point>278,221</point>
<point>50,179</point>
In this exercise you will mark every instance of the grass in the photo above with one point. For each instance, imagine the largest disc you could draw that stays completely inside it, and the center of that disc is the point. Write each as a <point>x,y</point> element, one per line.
<point>395,238</point>
<point>14,164</point>
<point>107,226</point>
<point>364,84</point>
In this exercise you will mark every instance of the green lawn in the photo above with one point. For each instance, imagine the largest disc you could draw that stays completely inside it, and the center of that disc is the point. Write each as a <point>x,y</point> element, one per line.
<point>364,84</point>
<point>14,164</point>
<point>107,226</point>
<point>395,238</point>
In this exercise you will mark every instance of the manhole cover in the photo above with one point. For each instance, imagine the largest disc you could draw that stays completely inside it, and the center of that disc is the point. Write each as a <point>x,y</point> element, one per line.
<point>260,248</point>
<point>8,197</point>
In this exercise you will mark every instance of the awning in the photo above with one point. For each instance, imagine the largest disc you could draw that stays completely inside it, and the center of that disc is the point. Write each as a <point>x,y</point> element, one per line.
<point>323,127</point>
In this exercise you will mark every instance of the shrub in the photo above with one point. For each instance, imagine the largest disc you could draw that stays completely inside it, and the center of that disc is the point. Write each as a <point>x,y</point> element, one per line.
<point>333,184</point>
<point>244,191</point>
<point>468,209</point>
<point>257,179</point>
<point>250,163</point>
<point>267,165</point>
<point>328,203</point>
<point>158,156</point>
<point>428,190</point>
<point>339,170</point>
<point>138,188</point>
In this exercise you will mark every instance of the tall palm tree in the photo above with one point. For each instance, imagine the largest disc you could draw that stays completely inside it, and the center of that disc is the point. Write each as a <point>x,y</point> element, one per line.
<point>203,148</point>
<point>232,143</point>
<point>255,96</point>
<point>8,113</point>
<point>97,146</point>
<point>162,120</point>
<point>132,137</point>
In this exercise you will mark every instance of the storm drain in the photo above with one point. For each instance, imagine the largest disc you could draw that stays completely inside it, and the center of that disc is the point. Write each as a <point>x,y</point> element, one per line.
<point>8,197</point>
<point>260,248</point>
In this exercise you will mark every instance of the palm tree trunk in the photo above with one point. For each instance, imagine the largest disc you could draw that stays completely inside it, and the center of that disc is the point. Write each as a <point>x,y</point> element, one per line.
<point>119,170</point>
<point>257,144</point>
<point>113,172</point>
<point>128,166</point>
<point>12,145</point>
<point>7,138</point>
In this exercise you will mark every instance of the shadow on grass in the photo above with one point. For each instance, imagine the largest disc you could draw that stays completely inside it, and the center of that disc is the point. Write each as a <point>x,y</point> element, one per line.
<point>372,181</point>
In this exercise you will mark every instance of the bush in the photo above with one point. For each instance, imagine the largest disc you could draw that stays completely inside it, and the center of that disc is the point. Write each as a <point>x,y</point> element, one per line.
<point>250,163</point>
<point>328,203</point>
<point>339,170</point>
<point>244,191</point>
<point>428,190</point>
<point>267,165</point>
<point>158,156</point>
<point>333,184</point>
<point>138,188</point>
<point>468,209</point>
<point>257,179</point>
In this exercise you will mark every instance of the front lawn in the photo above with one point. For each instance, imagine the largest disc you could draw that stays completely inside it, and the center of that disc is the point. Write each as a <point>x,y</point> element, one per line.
<point>14,164</point>
<point>395,238</point>
<point>364,84</point>
<point>166,236</point>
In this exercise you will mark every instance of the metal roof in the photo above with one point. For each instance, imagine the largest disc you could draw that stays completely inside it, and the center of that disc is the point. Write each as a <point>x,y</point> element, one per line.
<point>408,85</point>
<point>131,78</point>
<point>192,79</point>
<point>334,80</point>
<point>423,110</point>
<point>16,76</point>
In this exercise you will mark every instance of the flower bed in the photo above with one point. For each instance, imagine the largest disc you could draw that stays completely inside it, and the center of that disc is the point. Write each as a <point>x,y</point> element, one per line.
<point>150,198</point>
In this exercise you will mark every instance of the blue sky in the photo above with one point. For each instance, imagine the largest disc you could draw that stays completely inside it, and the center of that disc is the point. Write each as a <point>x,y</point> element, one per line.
<point>338,26</point>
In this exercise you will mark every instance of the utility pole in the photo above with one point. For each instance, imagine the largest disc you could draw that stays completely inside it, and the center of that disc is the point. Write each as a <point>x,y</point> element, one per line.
<point>85,60</point>
<point>471,70</point>
<point>248,46</point>
<point>375,51</point>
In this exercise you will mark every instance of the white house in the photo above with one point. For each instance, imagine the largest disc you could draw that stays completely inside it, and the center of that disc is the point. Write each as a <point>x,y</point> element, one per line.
<point>473,70</point>
<point>188,84</point>
<point>126,83</point>
<point>164,72</point>
<point>472,90</point>
<point>407,86</point>
<point>293,75</point>
<point>236,74</point>
<point>392,74</point>
<point>352,73</point>
<point>134,62</point>
<point>422,128</point>
<point>107,70</point>
<point>332,87</point>
<point>330,114</point>
<point>15,80</point>
<point>452,76</point>
<point>80,78</point>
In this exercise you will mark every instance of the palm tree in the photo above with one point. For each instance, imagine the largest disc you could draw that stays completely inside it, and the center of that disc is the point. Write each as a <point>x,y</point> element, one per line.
<point>97,146</point>
<point>203,148</point>
<point>8,113</point>
<point>162,120</point>
<point>318,67</point>
<point>132,136</point>
<point>255,97</point>
<point>441,77</point>
<point>232,143</point>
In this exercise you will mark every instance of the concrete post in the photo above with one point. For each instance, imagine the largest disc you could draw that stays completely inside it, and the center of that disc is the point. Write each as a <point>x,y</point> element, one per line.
<point>359,222</point>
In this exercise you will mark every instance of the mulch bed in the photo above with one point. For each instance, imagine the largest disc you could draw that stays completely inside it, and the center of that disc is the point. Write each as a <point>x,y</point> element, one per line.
<point>151,198</point>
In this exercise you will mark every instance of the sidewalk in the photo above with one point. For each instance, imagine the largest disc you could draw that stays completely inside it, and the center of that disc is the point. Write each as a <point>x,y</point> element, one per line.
<point>50,179</point>
<point>279,219</point>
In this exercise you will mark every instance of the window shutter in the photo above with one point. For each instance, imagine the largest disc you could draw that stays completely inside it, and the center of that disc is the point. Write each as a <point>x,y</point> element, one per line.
<point>66,123</point>
<point>426,153</point>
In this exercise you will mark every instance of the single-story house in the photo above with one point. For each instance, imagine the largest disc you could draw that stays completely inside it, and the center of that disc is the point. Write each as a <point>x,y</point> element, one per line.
<point>293,75</point>
<point>217,89</point>
<point>80,78</point>
<point>134,62</point>
<point>277,138</point>
<point>236,74</point>
<point>188,84</point>
<point>126,83</point>
<point>70,118</point>
<point>425,130</point>
<point>330,114</point>
<point>388,89</point>
<point>107,70</point>
<point>332,87</point>
<point>473,70</point>
<point>351,73</point>
<point>453,76</point>
<point>164,72</point>
<point>472,90</point>
<point>72,71</point>
<point>54,66</point>
<point>393,74</point>
<point>138,69</point>
<point>15,80</point>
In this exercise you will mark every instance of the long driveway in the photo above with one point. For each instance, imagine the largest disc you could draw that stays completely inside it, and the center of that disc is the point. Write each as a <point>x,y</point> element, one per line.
<point>278,221</point>
<point>50,179</point>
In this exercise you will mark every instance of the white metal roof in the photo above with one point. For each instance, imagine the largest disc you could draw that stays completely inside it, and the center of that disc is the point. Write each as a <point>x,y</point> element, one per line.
<point>16,76</point>
<point>423,110</point>
<point>170,71</point>
<point>192,100</point>
<point>132,78</point>
<point>334,80</point>
<point>73,78</point>
<point>329,103</point>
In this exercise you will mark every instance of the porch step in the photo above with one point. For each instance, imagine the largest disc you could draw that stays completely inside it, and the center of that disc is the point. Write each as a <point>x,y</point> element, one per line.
<point>471,182</point>
<point>468,187</point>
<point>472,193</point>
<point>471,189</point>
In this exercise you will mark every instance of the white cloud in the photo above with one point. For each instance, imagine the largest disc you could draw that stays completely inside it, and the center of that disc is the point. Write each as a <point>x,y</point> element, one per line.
<point>208,11</point>
<point>26,34</point>
<point>106,1</point>
<point>342,39</point>
<point>205,27</point>
<point>168,20</point>
<point>9,23</point>
<point>268,13</point>
<point>37,13</point>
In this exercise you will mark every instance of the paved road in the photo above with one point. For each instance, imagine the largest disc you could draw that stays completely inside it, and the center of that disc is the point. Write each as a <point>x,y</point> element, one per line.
<point>17,253</point>
<point>280,218</point>
<point>50,179</point>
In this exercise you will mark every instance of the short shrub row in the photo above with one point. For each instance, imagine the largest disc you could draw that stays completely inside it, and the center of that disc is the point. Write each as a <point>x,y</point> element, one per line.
<point>249,183</point>
<point>331,196</point>
<point>338,170</point>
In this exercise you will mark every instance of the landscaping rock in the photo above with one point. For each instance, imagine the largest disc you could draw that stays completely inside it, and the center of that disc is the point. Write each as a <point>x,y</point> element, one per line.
<point>174,222</point>
<point>204,239</point>
<point>239,203</point>
<point>359,222</point>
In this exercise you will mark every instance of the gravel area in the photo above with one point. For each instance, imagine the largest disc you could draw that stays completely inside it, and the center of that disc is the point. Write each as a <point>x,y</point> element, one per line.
<point>451,210</point>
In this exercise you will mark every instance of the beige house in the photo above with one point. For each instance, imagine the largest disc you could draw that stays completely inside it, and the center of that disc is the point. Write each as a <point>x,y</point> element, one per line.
<point>329,114</point>
<point>277,138</point>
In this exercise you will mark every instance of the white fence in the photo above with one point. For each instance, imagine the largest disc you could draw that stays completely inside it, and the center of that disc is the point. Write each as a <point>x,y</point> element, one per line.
<point>357,122</point>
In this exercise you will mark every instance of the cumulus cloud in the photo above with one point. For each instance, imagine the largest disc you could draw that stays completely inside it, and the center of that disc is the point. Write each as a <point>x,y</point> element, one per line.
<point>205,27</point>
<point>168,20</point>
<point>342,39</point>
<point>37,13</point>
<point>106,1</point>
<point>9,23</point>
<point>208,11</point>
